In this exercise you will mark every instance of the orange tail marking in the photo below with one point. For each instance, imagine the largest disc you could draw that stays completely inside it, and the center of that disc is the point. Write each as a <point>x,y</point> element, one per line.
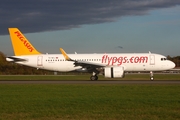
<point>20,44</point>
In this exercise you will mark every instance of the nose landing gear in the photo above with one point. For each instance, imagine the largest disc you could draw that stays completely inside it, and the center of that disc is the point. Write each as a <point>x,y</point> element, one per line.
<point>151,76</point>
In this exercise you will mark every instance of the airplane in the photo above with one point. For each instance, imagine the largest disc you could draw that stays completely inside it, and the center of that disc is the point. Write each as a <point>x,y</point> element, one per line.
<point>113,65</point>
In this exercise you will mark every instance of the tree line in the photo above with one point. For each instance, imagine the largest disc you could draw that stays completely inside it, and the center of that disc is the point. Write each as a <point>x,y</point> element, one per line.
<point>10,68</point>
<point>175,59</point>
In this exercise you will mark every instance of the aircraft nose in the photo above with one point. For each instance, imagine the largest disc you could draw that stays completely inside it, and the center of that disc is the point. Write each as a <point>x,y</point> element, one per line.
<point>172,64</point>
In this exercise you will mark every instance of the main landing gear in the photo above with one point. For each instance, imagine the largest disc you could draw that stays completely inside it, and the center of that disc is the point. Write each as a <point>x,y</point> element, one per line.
<point>94,76</point>
<point>151,76</point>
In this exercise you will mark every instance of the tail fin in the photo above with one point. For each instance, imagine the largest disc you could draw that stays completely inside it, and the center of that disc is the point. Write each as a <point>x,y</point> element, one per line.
<point>20,44</point>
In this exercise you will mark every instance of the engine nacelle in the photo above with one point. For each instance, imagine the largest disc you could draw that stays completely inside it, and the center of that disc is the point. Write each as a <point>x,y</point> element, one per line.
<point>114,72</point>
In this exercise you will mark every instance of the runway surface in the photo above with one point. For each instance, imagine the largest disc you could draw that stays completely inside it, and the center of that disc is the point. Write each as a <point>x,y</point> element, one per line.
<point>90,82</point>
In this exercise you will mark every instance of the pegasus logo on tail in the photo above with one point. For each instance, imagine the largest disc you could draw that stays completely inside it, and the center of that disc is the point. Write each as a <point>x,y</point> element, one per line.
<point>26,43</point>
<point>21,44</point>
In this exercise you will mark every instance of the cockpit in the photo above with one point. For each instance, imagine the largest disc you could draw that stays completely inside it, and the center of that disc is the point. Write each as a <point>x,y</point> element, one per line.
<point>163,59</point>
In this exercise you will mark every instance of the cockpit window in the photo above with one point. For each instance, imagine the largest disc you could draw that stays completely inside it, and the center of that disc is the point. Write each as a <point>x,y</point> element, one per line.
<point>163,59</point>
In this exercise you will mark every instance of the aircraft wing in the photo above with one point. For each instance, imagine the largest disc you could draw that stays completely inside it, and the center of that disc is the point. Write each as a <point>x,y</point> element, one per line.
<point>88,64</point>
<point>84,64</point>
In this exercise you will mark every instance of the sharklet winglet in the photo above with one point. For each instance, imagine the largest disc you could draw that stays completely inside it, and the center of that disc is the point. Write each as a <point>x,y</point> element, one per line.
<point>65,55</point>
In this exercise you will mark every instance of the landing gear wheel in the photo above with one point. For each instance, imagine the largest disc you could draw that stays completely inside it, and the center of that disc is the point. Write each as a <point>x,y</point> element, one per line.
<point>94,77</point>
<point>151,78</point>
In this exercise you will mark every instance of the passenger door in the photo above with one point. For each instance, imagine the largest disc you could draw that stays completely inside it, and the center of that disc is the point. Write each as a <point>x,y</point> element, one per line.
<point>152,60</point>
<point>40,61</point>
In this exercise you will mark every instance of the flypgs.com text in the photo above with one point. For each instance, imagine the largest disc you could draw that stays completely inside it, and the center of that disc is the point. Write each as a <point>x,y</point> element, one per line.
<point>119,60</point>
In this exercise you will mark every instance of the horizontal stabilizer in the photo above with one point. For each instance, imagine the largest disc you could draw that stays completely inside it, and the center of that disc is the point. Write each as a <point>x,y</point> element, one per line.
<point>15,59</point>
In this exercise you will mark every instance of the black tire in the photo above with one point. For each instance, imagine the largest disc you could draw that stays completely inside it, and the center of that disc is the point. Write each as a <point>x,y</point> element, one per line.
<point>94,77</point>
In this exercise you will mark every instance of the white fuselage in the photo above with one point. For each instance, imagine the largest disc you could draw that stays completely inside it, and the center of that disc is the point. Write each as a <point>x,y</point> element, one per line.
<point>130,61</point>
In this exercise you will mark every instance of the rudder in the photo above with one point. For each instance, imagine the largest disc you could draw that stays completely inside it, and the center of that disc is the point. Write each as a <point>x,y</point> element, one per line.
<point>20,44</point>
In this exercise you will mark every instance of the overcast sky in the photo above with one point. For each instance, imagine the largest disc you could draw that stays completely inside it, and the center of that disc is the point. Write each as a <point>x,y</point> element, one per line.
<point>94,26</point>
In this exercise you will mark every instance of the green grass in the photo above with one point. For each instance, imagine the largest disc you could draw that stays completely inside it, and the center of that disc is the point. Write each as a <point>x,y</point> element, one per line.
<point>87,77</point>
<point>86,102</point>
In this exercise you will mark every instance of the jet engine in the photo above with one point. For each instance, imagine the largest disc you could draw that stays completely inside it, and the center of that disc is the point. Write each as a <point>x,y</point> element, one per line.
<point>114,72</point>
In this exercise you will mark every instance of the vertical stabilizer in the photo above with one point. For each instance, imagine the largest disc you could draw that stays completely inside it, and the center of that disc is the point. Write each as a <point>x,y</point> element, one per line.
<point>20,44</point>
